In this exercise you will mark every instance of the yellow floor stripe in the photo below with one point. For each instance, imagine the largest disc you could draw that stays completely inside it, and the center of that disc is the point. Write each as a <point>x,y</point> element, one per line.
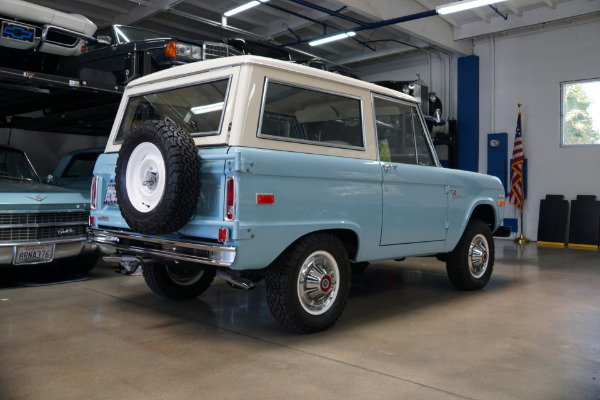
<point>550,244</point>
<point>583,246</point>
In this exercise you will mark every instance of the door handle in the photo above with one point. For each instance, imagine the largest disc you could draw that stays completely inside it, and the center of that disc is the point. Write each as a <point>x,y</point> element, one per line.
<point>387,167</point>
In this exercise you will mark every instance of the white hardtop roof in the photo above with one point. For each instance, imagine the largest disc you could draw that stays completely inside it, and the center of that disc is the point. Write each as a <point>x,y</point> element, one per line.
<point>228,62</point>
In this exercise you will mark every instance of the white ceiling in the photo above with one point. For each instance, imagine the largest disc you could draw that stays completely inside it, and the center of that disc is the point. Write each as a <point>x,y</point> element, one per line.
<point>287,21</point>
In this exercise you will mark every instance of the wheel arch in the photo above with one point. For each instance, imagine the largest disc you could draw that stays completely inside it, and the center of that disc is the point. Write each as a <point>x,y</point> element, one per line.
<point>348,237</point>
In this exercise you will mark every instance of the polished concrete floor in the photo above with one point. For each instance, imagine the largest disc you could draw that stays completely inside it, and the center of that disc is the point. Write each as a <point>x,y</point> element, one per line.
<point>532,333</point>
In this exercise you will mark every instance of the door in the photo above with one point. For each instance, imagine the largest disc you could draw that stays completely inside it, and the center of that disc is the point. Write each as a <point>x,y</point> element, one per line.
<point>415,189</point>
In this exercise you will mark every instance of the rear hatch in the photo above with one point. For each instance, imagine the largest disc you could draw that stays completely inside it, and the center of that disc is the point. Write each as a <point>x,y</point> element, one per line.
<point>209,214</point>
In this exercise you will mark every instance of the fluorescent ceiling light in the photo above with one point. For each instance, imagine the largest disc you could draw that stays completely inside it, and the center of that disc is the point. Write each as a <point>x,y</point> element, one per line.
<point>207,108</point>
<point>244,7</point>
<point>332,38</point>
<point>463,5</point>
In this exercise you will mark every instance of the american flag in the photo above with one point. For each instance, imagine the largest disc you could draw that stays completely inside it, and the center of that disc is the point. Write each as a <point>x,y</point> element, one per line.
<point>516,180</point>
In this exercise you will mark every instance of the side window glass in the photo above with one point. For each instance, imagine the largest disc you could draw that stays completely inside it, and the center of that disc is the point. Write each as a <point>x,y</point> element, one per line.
<point>395,133</point>
<point>424,155</point>
<point>312,116</point>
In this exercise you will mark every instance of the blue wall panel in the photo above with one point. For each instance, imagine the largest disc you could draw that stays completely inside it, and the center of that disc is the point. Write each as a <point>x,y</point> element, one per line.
<point>468,113</point>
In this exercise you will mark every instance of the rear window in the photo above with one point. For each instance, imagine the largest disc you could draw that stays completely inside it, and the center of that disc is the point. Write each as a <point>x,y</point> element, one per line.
<point>308,115</point>
<point>197,109</point>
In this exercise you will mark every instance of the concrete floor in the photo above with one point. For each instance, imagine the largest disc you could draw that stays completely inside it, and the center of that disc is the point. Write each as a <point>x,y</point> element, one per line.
<point>532,333</point>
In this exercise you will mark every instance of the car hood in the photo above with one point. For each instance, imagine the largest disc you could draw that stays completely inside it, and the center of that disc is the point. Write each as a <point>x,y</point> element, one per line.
<point>21,195</point>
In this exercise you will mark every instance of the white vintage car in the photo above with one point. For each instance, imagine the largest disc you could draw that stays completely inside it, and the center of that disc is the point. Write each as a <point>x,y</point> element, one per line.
<point>39,38</point>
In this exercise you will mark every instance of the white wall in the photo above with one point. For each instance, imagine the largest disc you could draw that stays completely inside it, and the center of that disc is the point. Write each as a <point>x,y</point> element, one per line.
<point>45,149</point>
<point>528,68</point>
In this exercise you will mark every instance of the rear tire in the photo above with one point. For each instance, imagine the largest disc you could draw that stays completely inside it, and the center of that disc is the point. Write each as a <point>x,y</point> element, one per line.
<point>470,264</point>
<point>183,281</point>
<point>308,285</point>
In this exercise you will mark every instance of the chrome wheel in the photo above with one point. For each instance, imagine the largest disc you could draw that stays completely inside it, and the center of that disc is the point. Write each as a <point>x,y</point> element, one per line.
<point>145,177</point>
<point>317,282</point>
<point>478,256</point>
<point>185,276</point>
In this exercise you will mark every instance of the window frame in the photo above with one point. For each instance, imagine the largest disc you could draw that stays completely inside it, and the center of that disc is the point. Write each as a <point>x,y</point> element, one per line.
<point>228,77</point>
<point>562,113</point>
<point>268,80</point>
<point>419,114</point>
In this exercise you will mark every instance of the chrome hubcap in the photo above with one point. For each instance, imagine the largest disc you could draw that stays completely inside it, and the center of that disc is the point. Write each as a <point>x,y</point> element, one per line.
<point>317,282</point>
<point>478,256</point>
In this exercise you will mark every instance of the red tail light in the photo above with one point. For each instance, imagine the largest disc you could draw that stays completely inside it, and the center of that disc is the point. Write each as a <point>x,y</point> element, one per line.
<point>94,194</point>
<point>230,199</point>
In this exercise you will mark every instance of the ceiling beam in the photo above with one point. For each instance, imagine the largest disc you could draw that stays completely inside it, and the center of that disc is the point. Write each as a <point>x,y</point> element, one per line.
<point>433,30</point>
<point>567,10</point>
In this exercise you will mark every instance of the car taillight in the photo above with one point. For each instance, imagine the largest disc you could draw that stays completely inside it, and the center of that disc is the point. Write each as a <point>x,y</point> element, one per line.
<point>171,49</point>
<point>94,193</point>
<point>230,199</point>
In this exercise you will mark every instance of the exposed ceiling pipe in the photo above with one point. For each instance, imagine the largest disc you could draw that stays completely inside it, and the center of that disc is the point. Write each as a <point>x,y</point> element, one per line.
<point>330,12</point>
<point>374,25</point>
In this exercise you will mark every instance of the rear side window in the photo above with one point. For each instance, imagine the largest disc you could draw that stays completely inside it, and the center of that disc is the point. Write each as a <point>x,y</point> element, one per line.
<point>307,115</point>
<point>198,109</point>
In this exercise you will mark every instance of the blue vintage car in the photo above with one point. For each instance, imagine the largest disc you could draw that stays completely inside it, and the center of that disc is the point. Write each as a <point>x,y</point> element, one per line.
<point>75,170</point>
<point>40,223</point>
<point>247,167</point>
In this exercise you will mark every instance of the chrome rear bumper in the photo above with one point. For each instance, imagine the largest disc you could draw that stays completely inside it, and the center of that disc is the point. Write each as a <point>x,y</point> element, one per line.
<point>163,248</point>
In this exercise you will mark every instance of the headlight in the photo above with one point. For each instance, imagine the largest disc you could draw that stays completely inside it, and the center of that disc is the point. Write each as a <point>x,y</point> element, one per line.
<point>188,51</point>
<point>197,52</point>
<point>184,50</point>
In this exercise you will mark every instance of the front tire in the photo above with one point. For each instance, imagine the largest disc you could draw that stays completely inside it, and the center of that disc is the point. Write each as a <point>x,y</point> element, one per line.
<point>178,282</point>
<point>470,264</point>
<point>308,285</point>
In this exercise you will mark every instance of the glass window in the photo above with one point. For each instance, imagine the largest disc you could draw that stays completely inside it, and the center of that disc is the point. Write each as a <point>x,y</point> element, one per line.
<point>580,116</point>
<point>400,134</point>
<point>198,109</point>
<point>81,164</point>
<point>15,165</point>
<point>300,114</point>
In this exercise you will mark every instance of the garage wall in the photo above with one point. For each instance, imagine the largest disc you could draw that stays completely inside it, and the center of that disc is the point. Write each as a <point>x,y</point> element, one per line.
<point>528,68</point>
<point>45,149</point>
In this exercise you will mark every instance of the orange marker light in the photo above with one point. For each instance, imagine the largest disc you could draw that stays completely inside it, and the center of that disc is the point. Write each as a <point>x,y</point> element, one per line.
<point>501,203</point>
<point>171,49</point>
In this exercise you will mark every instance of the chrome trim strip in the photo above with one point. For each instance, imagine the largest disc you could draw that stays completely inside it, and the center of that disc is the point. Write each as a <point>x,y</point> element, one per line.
<point>43,242</point>
<point>45,224</point>
<point>217,255</point>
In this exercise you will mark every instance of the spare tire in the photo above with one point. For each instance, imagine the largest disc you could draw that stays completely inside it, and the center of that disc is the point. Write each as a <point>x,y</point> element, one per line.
<point>157,178</point>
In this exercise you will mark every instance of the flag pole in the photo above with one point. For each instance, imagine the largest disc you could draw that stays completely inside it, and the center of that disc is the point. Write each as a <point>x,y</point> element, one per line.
<point>522,240</point>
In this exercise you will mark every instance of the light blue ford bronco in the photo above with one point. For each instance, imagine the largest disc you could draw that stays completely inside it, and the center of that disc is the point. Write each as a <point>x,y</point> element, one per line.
<point>248,168</point>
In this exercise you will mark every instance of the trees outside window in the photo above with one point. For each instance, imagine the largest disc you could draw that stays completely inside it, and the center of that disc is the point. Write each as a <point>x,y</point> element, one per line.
<point>580,116</point>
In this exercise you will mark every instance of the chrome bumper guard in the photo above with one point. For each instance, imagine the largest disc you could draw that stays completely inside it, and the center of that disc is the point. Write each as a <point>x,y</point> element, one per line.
<point>185,250</point>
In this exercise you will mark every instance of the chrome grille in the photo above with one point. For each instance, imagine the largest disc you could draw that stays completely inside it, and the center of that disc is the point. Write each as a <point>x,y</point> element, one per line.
<point>20,227</point>
<point>219,50</point>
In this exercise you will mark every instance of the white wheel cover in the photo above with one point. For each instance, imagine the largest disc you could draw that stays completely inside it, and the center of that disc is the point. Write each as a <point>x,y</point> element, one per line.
<point>145,177</point>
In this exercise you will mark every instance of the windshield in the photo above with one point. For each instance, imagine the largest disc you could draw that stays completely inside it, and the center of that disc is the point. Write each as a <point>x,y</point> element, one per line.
<point>198,109</point>
<point>15,165</point>
<point>128,34</point>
